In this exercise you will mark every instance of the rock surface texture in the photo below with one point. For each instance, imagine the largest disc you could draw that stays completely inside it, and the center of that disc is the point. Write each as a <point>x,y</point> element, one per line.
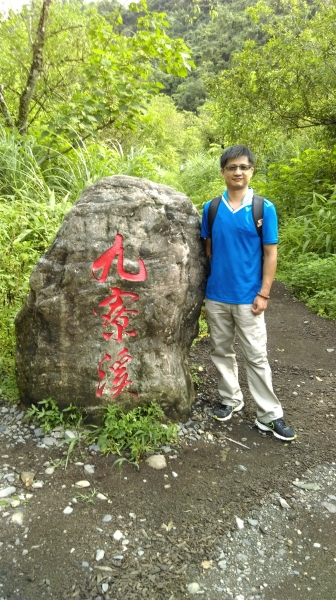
<point>114,303</point>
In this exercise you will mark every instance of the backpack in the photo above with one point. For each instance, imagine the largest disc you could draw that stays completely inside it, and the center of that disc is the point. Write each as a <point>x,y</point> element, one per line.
<point>257,214</point>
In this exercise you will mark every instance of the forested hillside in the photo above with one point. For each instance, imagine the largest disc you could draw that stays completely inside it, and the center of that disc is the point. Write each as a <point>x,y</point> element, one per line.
<point>212,30</point>
<point>93,90</point>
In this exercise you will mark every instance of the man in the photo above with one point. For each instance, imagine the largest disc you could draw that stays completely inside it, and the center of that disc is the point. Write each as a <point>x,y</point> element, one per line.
<point>237,293</point>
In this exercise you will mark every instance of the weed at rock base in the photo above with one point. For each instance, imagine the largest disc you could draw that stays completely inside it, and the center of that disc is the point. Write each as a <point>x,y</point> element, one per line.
<point>139,431</point>
<point>48,416</point>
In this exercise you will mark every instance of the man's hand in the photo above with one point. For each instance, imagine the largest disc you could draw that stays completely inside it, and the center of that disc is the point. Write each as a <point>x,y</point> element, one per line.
<point>259,305</point>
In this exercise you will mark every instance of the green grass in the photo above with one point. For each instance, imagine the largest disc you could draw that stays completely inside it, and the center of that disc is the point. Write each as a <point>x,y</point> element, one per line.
<point>137,432</point>
<point>48,416</point>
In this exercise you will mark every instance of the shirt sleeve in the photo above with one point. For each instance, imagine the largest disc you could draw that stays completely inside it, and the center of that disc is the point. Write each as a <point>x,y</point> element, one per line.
<point>270,224</point>
<point>205,232</point>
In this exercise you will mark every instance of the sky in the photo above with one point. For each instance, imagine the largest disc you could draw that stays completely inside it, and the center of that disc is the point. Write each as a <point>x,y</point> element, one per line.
<point>5,5</point>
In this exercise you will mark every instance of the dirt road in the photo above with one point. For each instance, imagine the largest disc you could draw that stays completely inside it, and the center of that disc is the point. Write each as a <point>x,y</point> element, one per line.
<point>227,521</point>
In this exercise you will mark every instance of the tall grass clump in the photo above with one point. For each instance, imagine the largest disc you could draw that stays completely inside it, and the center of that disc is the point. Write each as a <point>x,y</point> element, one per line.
<point>307,260</point>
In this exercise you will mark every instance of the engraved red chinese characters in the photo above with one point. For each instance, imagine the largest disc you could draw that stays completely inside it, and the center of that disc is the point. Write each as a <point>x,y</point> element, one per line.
<point>117,315</point>
<point>121,380</point>
<point>106,259</point>
<point>102,375</point>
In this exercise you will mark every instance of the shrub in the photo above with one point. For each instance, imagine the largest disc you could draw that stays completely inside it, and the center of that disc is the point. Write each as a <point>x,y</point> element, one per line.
<point>313,280</point>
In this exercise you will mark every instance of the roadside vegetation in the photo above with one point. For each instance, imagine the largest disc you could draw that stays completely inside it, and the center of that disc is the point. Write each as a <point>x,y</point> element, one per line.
<point>128,435</point>
<point>86,110</point>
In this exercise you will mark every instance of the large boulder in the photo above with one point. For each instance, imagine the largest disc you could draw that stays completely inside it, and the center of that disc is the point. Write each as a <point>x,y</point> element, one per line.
<point>115,301</point>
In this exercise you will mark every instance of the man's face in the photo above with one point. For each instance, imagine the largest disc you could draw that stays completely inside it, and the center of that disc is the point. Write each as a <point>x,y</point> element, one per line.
<point>237,173</point>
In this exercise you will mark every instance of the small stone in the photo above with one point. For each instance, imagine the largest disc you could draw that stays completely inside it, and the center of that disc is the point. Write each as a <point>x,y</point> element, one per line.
<point>21,414</point>
<point>306,485</point>
<point>140,553</point>
<point>242,468</point>
<point>68,510</point>
<point>242,558</point>
<point>253,522</point>
<point>17,518</point>
<point>100,555</point>
<point>240,523</point>
<point>49,441</point>
<point>107,518</point>
<point>85,564</point>
<point>89,469</point>
<point>27,478</point>
<point>101,496</point>
<point>193,588</point>
<point>105,587</point>
<point>15,503</point>
<point>222,564</point>
<point>37,485</point>
<point>329,506</point>
<point>174,474</point>
<point>316,545</point>
<point>166,449</point>
<point>38,432</point>
<point>330,349</point>
<point>82,484</point>
<point>70,435</point>
<point>8,491</point>
<point>24,552</point>
<point>50,471</point>
<point>118,535</point>
<point>157,461</point>
<point>94,448</point>
<point>283,503</point>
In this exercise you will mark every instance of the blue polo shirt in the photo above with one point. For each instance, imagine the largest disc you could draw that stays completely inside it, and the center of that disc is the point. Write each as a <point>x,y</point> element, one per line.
<point>236,266</point>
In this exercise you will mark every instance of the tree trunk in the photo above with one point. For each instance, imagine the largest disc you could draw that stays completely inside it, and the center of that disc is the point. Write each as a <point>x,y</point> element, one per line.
<point>35,70</point>
<point>4,109</point>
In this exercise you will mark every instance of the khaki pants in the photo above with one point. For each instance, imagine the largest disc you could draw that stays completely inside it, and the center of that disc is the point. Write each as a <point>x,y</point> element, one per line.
<point>224,320</point>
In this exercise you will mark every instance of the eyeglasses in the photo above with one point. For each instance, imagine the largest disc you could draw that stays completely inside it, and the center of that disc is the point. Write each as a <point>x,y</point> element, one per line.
<point>233,168</point>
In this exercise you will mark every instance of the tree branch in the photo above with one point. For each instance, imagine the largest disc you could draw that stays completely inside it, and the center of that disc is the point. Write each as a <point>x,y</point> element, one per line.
<point>35,70</point>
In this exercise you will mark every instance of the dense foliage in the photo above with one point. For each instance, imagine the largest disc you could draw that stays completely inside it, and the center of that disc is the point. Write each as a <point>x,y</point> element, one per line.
<point>94,110</point>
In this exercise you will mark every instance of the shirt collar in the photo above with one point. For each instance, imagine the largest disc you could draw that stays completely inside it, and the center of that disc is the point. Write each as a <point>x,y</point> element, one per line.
<point>246,200</point>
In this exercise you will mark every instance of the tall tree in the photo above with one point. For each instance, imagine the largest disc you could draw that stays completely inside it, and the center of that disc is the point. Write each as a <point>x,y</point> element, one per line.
<point>289,82</point>
<point>78,72</point>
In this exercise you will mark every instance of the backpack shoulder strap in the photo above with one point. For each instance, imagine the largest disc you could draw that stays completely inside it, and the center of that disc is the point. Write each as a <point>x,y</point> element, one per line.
<point>258,212</point>
<point>213,208</point>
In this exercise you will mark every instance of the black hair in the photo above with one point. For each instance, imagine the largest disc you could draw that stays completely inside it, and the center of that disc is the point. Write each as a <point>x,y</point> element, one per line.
<point>235,152</point>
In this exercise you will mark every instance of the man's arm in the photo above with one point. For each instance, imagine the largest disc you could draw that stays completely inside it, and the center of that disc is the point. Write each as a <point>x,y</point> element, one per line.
<point>269,268</point>
<point>208,248</point>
